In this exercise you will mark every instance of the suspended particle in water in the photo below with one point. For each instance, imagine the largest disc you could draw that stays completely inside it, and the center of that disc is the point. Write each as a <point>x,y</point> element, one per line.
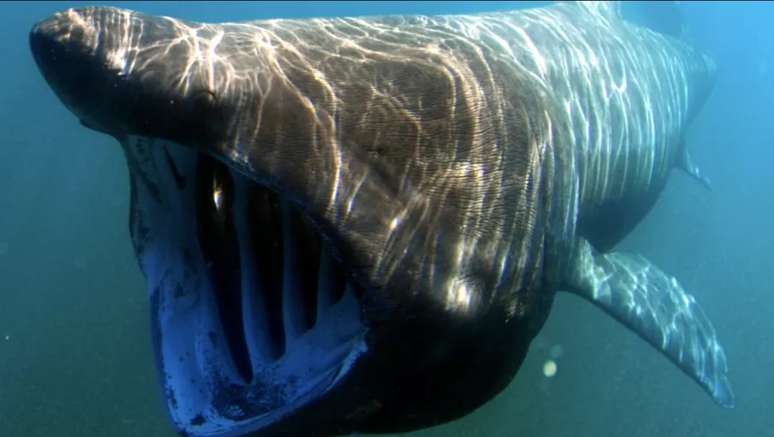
<point>80,264</point>
<point>556,351</point>
<point>549,368</point>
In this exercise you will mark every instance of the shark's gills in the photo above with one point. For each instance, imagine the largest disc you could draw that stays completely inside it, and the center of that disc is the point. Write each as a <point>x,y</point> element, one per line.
<point>655,306</point>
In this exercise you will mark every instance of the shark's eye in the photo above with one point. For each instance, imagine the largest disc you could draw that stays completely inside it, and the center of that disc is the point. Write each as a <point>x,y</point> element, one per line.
<point>203,116</point>
<point>203,101</point>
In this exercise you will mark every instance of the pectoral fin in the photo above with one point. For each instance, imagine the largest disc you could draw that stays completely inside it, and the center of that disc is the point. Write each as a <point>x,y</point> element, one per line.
<point>686,164</point>
<point>655,306</point>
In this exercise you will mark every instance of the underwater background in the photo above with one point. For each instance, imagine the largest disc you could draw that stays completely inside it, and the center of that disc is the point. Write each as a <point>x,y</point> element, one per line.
<point>75,348</point>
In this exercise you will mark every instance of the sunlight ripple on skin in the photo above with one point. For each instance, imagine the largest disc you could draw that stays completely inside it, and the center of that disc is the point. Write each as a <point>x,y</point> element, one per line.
<point>449,173</point>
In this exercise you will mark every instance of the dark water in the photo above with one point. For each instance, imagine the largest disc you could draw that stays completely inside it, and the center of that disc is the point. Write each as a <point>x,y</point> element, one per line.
<point>75,356</point>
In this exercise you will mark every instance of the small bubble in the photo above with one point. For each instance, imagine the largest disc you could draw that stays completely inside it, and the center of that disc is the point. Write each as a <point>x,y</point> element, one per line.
<point>80,264</point>
<point>549,369</point>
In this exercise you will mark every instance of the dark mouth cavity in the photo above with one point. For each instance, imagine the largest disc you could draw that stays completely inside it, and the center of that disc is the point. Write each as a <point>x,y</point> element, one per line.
<point>253,316</point>
<point>285,258</point>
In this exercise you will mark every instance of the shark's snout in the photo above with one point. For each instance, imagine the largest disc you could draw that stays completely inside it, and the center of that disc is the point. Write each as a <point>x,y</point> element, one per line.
<point>77,28</point>
<point>58,52</point>
<point>64,47</point>
<point>66,42</point>
<point>82,54</point>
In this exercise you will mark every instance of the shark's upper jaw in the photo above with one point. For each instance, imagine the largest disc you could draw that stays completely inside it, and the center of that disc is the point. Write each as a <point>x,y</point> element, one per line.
<point>252,318</point>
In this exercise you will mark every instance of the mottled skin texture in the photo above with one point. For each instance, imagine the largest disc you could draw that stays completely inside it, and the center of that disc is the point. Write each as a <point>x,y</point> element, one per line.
<point>456,163</point>
<point>467,113</point>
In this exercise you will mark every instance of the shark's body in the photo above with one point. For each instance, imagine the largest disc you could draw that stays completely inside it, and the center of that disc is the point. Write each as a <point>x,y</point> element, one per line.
<point>360,224</point>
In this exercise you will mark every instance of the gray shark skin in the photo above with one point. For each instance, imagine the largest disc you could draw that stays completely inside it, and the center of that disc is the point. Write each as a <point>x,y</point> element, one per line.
<point>359,224</point>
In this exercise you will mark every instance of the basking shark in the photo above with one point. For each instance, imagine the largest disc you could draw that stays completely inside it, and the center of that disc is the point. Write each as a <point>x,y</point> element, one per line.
<point>359,224</point>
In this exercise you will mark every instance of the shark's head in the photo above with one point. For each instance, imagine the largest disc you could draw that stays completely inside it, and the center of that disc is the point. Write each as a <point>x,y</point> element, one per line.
<point>321,247</point>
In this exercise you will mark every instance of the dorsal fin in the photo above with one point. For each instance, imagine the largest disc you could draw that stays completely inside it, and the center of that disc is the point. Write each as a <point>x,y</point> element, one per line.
<point>607,9</point>
<point>662,16</point>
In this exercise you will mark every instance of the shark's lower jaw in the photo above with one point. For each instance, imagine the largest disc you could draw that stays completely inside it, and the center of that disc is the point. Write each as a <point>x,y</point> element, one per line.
<point>252,319</point>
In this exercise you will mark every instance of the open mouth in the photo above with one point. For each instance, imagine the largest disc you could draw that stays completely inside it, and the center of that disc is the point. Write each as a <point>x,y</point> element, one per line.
<point>252,316</point>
